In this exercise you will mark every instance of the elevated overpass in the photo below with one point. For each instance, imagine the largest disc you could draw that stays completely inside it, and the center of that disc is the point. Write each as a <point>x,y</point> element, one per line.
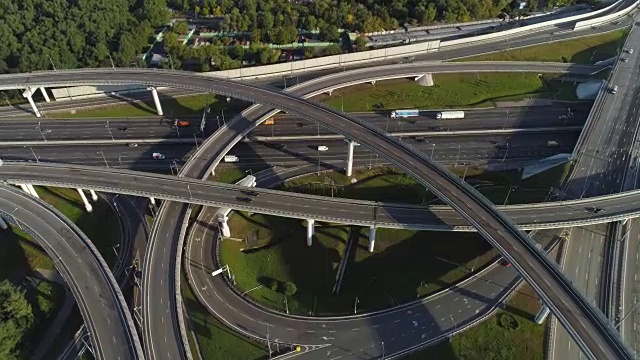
<point>587,326</point>
<point>102,305</point>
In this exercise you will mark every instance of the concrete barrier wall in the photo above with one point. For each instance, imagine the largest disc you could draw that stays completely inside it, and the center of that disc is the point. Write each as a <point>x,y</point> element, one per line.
<point>527,28</point>
<point>328,62</point>
<point>600,20</point>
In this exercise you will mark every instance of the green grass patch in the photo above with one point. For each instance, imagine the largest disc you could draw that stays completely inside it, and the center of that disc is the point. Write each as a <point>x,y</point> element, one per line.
<point>509,334</point>
<point>216,341</point>
<point>20,254</point>
<point>181,106</point>
<point>449,91</point>
<point>391,185</point>
<point>266,252</point>
<point>584,50</point>
<point>101,226</point>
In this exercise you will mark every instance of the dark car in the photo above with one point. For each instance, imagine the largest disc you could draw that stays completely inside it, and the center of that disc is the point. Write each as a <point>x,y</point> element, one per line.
<point>123,128</point>
<point>281,146</point>
<point>251,193</point>
<point>596,210</point>
<point>301,124</point>
<point>244,199</point>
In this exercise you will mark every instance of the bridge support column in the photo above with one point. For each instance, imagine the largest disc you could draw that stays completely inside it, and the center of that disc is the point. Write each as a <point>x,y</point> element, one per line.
<point>153,201</point>
<point>156,100</point>
<point>373,82</point>
<point>224,226</point>
<point>29,95</point>
<point>330,92</point>
<point>542,314</point>
<point>25,188</point>
<point>33,191</point>
<point>350,146</point>
<point>3,224</point>
<point>94,196</point>
<point>44,93</point>
<point>87,205</point>
<point>372,238</point>
<point>424,80</point>
<point>310,229</point>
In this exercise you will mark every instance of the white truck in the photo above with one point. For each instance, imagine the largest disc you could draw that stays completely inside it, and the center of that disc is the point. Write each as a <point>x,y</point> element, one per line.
<point>450,115</point>
<point>231,159</point>
<point>404,113</point>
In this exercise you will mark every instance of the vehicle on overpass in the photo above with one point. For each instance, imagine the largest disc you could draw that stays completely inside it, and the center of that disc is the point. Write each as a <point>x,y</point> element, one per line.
<point>404,113</point>
<point>231,159</point>
<point>552,143</point>
<point>450,115</point>
<point>270,121</point>
<point>323,148</point>
<point>158,156</point>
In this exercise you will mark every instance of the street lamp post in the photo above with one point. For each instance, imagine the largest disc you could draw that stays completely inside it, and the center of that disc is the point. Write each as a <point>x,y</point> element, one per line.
<point>109,128</point>
<point>355,305</point>
<point>382,350</point>
<point>41,133</point>
<point>458,156</point>
<point>189,188</point>
<point>103,157</point>
<point>34,154</point>
<point>433,148</point>
<point>508,193</point>
<point>455,326</point>
<point>505,153</point>
<point>120,159</point>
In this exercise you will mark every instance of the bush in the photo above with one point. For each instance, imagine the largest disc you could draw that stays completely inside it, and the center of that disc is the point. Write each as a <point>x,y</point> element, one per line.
<point>290,288</point>
<point>275,285</point>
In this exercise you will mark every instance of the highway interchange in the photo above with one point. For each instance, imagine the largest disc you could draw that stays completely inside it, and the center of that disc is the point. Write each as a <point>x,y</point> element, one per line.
<point>168,233</point>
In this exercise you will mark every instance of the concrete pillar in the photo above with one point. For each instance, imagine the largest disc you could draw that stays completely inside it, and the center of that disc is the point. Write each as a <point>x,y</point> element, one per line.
<point>424,80</point>
<point>94,196</point>
<point>3,224</point>
<point>330,92</point>
<point>372,238</point>
<point>24,188</point>
<point>310,231</point>
<point>224,226</point>
<point>29,95</point>
<point>373,82</point>
<point>32,191</point>
<point>87,205</point>
<point>156,100</point>
<point>153,201</point>
<point>351,144</point>
<point>44,93</point>
<point>542,314</point>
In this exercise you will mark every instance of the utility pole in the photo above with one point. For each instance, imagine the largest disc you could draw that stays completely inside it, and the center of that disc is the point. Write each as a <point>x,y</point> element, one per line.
<point>355,305</point>
<point>268,343</point>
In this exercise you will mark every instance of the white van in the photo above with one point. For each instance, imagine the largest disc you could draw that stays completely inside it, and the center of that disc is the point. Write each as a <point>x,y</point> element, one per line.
<point>157,156</point>
<point>231,159</point>
<point>322,148</point>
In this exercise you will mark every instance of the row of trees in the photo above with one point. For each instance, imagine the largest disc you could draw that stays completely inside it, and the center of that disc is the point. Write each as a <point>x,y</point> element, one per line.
<point>273,18</point>
<point>42,34</point>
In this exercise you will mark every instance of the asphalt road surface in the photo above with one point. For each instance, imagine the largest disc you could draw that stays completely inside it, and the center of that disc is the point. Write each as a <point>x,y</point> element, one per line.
<point>601,168</point>
<point>101,304</point>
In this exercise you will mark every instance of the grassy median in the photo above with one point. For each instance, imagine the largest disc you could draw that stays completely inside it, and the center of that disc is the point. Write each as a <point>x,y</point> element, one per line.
<point>584,50</point>
<point>449,91</point>
<point>509,334</point>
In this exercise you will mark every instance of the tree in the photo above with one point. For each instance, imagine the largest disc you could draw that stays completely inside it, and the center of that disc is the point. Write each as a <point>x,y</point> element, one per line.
<point>329,33</point>
<point>16,318</point>
<point>266,55</point>
<point>275,285</point>
<point>290,288</point>
<point>309,52</point>
<point>180,27</point>
<point>333,49</point>
<point>360,42</point>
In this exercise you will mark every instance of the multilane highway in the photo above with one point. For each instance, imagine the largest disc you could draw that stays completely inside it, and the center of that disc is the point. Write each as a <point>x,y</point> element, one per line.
<point>97,294</point>
<point>586,324</point>
<point>553,115</point>
<point>255,155</point>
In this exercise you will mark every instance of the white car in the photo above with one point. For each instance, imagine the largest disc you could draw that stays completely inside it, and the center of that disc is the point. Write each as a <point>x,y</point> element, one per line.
<point>132,145</point>
<point>158,156</point>
<point>322,148</point>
